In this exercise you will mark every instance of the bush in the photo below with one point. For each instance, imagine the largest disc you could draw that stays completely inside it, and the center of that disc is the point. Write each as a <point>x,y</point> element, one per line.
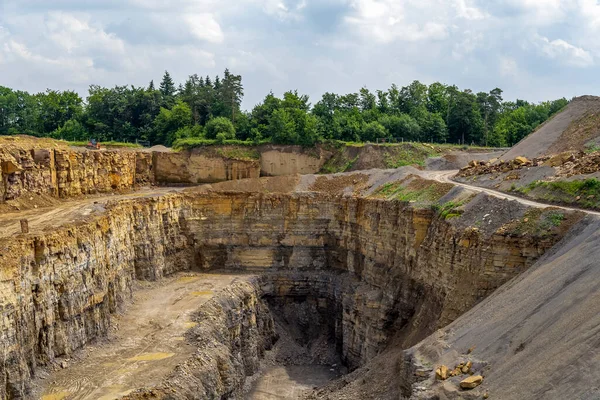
<point>219,125</point>
<point>71,130</point>
<point>373,131</point>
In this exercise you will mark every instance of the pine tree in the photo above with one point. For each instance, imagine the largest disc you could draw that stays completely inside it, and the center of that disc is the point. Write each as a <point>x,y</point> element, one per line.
<point>167,90</point>
<point>151,87</point>
<point>230,94</point>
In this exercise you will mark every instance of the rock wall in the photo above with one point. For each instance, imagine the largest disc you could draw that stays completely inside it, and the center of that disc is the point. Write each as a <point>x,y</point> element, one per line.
<point>68,173</point>
<point>396,271</point>
<point>64,173</point>
<point>292,160</point>
<point>421,271</point>
<point>59,289</point>
<point>193,167</point>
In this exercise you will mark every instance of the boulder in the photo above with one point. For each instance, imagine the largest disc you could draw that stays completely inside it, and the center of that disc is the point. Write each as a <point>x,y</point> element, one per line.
<point>442,373</point>
<point>9,167</point>
<point>467,367</point>
<point>471,382</point>
<point>521,161</point>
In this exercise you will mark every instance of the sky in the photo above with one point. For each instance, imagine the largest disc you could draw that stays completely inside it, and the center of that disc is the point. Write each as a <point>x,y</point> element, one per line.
<point>532,49</point>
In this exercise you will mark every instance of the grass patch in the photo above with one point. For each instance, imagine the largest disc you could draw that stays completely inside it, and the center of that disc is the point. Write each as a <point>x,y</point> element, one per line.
<point>107,144</point>
<point>408,155</point>
<point>582,193</point>
<point>239,153</point>
<point>538,222</point>
<point>413,189</point>
<point>192,143</point>
<point>450,209</point>
<point>338,164</point>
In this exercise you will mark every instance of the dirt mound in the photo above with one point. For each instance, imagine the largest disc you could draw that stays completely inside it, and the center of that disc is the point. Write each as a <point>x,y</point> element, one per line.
<point>278,184</point>
<point>575,128</point>
<point>338,184</point>
<point>30,142</point>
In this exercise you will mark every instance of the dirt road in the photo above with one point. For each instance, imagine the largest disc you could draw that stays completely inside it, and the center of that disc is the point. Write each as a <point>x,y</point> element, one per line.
<point>147,346</point>
<point>446,177</point>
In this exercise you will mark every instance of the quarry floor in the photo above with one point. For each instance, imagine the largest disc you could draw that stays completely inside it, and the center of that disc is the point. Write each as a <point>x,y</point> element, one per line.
<point>146,343</point>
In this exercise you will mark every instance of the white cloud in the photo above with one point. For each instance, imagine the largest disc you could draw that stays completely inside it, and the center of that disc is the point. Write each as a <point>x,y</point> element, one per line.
<point>282,9</point>
<point>75,32</point>
<point>565,52</point>
<point>205,27</point>
<point>468,11</point>
<point>541,12</point>
<point>388,20</point>
<point>508,66</point>
<point>470,42</point>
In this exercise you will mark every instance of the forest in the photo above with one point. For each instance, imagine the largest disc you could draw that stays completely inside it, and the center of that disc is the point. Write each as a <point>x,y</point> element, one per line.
<point>205,110</point>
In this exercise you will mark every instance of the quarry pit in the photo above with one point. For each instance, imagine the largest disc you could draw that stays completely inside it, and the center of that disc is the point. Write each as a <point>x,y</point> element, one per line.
<point>290,287</point>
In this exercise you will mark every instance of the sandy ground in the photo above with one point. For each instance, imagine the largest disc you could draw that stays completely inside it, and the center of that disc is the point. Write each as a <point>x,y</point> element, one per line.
<point>290,382</point>
<point>147,345</point>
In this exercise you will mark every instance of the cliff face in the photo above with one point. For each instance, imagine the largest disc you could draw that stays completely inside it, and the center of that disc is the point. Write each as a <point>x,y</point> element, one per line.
<point>64,173</point>
<point>193,167</point>
<point>234,330</point>
<point>68,173</point>
<point>418,272</point>
<point>60,288</point>
<point>390,270</point>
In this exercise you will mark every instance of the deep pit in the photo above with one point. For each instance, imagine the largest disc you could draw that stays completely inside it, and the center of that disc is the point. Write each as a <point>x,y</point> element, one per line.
<point>252,289</point>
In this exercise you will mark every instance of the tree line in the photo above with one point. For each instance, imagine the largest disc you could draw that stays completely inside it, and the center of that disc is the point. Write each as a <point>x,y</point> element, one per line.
<point>205,108</point>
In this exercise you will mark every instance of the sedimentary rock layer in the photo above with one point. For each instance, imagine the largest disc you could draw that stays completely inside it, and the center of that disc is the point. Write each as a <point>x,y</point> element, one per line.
<point>410,270</point>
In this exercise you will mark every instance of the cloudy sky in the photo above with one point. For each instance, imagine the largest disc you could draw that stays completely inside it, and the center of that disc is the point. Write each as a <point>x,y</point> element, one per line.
<point>532,49</point>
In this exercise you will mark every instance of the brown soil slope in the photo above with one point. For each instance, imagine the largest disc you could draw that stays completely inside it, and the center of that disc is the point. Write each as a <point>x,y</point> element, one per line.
<point>573,129</point>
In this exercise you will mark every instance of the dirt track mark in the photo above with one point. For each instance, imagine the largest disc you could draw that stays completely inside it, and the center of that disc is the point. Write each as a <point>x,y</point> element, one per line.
<point>446,177</point>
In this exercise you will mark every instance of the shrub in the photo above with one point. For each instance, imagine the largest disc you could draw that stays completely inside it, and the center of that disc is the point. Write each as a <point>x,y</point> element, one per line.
<point>220,125</point>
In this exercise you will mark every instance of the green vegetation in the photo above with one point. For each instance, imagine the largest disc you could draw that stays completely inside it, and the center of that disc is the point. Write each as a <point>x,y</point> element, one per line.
<point>410,154</point>
<point>449,209</point>
<point>538,222</point>
<point>583,193</point>
<point>108,144</point>
<point>338,164</point>
<point>209,108</point>
<point>239,153</point>
<point>193,142</point>
<point>416,191</point>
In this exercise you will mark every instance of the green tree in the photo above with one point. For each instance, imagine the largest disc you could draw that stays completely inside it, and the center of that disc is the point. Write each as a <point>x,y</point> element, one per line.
<point>402,127</point>
<point>72,130</point>
<point>220,125</point>
<point>465,124</point>
<point>373,131</point>
<point>167,90</point>
<point>169,122</point>
<point>282,128</point>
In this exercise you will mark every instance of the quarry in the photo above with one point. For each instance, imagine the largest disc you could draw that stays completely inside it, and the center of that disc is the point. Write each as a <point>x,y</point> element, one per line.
<point>282,272</point>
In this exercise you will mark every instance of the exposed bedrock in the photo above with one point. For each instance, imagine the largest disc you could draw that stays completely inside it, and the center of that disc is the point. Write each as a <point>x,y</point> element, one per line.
<point>385,269</point>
